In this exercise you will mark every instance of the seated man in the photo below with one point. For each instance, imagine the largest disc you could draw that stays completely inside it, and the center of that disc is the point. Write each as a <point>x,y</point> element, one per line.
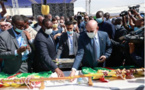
<point>45,50</point>
<point>68,44</point>
<point>3,26</point>
<point>94,48</point>
<point>14,48</point>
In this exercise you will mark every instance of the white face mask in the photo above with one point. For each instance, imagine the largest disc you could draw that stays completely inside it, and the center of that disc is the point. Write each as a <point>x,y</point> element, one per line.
<point>118,26</point>
<point>75,25</point>
<point>91,34</point>
<point>48,31</point>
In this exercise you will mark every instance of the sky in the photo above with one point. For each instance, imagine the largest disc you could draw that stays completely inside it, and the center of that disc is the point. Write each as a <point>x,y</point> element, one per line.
<point>100,4</point>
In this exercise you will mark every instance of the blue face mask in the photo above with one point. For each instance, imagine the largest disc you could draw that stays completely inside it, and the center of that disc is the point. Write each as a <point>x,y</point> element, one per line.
<point>18,30</point>
<point>70,32</point>
<point>136,28</point>
<point>99,20</point>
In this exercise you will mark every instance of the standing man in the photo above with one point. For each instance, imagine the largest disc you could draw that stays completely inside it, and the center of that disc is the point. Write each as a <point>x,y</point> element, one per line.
<point>28,28</point>
<point>68,44</point>
<point>45,50</point>
<point>105,26</point>
<point>94,48</point>
<point>49,17</point>
<point>38,25</point>
<point>107,17</point>
<point>83,24</point>
<point>14,48</point>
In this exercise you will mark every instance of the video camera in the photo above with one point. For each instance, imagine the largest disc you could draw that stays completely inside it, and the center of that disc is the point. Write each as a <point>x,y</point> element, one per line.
<point>80,15</point>
<point>136,37</point>
<point>134,8</point>
<point>123,13</point>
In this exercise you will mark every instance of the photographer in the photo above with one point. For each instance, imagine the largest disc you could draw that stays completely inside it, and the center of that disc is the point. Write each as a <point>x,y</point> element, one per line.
<point>134,44</point>
<point>117,56</point>
<point>130,17</point>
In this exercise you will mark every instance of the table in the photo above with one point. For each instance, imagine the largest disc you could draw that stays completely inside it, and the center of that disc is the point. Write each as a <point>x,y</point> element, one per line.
<point>129,84</point>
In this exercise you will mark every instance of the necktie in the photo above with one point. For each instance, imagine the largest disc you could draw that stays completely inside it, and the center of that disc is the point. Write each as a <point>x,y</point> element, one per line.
<point>51,39</point>
<point>96,51</point>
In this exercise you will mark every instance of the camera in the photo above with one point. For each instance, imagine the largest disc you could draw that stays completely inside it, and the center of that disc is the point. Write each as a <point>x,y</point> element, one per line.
<point>134,8</point>
<point>123,13</point>
<point>136,37</point>
<point>80,15</point>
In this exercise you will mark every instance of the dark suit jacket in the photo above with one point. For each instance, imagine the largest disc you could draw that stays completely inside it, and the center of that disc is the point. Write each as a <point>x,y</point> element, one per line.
<point>63,49</point>
<point>8,45</point>
<point>45,53</point>
<point>107,27</point>
<point>85,49</point>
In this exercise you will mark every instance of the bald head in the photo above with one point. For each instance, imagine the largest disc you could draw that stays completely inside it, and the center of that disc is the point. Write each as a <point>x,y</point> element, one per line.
<point>92,26</point>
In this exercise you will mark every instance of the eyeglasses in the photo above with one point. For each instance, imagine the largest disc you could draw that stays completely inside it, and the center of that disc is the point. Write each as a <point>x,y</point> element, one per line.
<point>90,31</point>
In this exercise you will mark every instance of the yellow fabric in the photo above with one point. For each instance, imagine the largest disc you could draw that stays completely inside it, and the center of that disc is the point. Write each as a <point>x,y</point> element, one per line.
<point>45,9</point>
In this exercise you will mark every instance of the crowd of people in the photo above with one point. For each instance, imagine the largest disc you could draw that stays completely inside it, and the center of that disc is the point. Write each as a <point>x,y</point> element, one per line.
<point>29,44</point>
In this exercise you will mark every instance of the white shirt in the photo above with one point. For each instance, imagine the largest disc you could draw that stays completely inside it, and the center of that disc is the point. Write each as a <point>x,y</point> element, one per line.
<point>32,32</point>
<point>98,47</point>
<point>38,28</point>
<point>71,47</point>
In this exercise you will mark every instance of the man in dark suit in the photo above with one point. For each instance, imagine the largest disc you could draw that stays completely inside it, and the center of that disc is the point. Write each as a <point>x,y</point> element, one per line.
<point>105,26</point>
<point>94,48</point>
<point>14,48</point>
<point>68,44</point>
<point>45,50</point>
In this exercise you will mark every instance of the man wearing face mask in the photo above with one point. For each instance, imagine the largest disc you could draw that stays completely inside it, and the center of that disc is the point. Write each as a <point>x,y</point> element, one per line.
<point>45,50</point>
<point>119,29</point>
<point>68,44</point>
<point>56,31</point>
<point>117,57</point>
<point>94,48</point>
<point>105,26</point>
<point>14,48</point>
<point>62,25</point>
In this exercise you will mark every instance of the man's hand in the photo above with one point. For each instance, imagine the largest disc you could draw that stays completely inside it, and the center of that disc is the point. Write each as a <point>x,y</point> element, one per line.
<point>56,59</point>
<point>72,74</point>
<point>57,35</point>
<point>27,35</point>
<point>22,49</point>
<point>131,48</point>
<point>102,59</point>
<point>59,72</point>
<point>63,25</point>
